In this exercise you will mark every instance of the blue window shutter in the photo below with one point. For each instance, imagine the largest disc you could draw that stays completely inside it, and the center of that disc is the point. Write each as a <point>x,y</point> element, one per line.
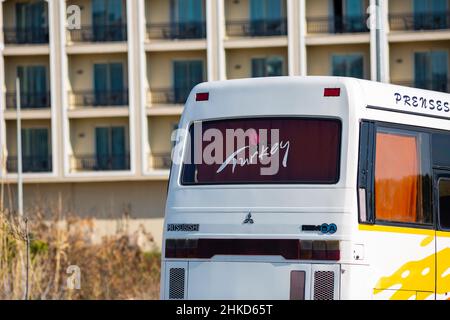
<point>118,147</point>
<point>102,147</point>
<point>258,67</point>
<point>421,69</point>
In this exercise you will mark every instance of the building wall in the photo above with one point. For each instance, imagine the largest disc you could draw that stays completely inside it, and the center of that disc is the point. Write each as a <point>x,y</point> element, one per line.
<point>107,202</point>
<point>11,132</point>
<point>81,69</point>
<point>160,133</point>
<point>318,8</point>
<point>239,61</point>
<point>320,57</point>
<point>402,57</point>
<point>11,64</point>
<point>157,11</point>
<point>83,133</point>
<point>160,66</point>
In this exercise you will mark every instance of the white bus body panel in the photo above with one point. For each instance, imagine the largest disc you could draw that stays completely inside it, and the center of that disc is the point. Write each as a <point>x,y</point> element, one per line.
<point>280,210</point>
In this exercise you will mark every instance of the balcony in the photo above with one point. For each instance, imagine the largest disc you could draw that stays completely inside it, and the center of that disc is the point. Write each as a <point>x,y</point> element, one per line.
<point>173,31</point>
<point>160,161</point>
<point>257,28</point>
<point>169,95</point>
<point>26,35</point>
<point>90,98</point>
<point>30,164</point>
<point>28,100</point>
<point>100,33</point>
<point>435,85</point>
<point>419,21</point>
<point>345,24</point>
<point>101,163</point>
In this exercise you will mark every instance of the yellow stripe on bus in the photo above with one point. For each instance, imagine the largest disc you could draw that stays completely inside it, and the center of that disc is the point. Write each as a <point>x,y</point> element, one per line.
<point>407,230</point>
<point>395,229</point>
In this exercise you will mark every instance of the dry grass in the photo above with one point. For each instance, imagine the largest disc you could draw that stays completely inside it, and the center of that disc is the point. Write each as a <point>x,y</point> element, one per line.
<point>116,268</point>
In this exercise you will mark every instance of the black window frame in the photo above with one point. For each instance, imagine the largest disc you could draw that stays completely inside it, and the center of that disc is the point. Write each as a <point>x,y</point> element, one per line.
<point>366,171</point>
<point>442,175</point>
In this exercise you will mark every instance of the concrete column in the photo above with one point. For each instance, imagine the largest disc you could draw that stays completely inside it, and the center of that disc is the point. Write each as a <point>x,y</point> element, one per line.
<point>296,37</point>
<point>379,45</point>
<point>62,108</point>
<point>56,23</point>
<point>142,122</point>
<point>215,33</point>
<point>134,95</point>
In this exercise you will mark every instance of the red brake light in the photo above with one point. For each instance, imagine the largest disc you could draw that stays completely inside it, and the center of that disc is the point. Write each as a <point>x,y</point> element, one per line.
<point>332,92</point>
<point>202,96</point>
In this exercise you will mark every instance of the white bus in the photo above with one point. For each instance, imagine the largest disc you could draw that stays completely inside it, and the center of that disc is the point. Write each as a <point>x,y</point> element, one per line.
<point>339,189</point>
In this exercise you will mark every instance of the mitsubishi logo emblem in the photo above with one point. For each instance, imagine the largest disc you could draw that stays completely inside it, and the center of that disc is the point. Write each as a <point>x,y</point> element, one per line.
<point>248,219</point>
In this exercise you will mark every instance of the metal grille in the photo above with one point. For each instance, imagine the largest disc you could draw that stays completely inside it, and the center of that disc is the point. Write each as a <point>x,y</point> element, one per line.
<point>323,285</point>
<point>176,283</point>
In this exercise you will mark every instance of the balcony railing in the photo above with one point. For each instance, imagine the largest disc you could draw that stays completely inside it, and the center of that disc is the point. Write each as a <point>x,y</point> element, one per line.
<point>257,28</point>
<point>345,24</point>
<point>419,21</point>
<point>161,160</point>
<point>169,95</point>
<point>177,30</point>
<point>101,163</point>
<point>28,100</point>
<point>89,98</point>
<point>435,85</point>
<point>102,33</point>
<point>30,164</point>
<point>16,35</point>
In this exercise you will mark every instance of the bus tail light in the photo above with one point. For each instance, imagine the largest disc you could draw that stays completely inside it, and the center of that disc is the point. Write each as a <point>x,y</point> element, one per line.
<point>202,96</point>
<point>290,249</point>
<point>332,92</point>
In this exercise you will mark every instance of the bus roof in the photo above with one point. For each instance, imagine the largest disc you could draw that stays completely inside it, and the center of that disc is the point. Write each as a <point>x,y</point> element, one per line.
<point>373,95</point>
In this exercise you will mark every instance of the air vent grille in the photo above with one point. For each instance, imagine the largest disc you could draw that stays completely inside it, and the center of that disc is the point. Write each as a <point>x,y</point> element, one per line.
<point>323,285</point>
<point>176,283</point>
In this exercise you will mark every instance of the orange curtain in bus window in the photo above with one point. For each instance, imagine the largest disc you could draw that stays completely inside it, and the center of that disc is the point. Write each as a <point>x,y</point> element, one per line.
<point>396,177</point>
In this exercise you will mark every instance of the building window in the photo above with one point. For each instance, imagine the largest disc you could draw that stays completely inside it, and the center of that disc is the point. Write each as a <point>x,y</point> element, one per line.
<point>35,150</point>
<point>267,67</point>
<point>109,84</point>
<point>401,180</point>
<point>348,65</point>
<point>107,20</point>
<point>33,87</point>
<point>110,148</point>
<point>186,75</point>
<point>431,70</point>
<point>31,22</point>
<point>188,19</point>
<point>349,16</point>
<point>267,17</point>
<point>430,14</point>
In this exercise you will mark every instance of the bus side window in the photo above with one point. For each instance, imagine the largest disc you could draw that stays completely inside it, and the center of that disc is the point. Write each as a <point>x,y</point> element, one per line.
<point>402,176</point>
<point>444,203</point>
<point>365,172</point>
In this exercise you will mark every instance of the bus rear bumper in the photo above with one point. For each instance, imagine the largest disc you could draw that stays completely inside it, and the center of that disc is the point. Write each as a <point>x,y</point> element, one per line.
<point>225,280</point>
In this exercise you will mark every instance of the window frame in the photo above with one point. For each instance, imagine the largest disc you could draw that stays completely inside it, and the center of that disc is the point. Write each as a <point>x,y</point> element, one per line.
<point>441,175</point>
<point>259,184</point>
<point>373,125</point>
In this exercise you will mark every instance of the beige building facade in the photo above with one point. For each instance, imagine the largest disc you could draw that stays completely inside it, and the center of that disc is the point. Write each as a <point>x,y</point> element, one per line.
<point>100,101</point>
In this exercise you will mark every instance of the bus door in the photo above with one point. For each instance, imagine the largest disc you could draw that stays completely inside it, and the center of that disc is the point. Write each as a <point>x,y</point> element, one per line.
<point>442,209</point>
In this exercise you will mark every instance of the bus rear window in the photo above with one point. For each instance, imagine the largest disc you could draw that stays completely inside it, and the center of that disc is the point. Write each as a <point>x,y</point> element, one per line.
<point>263,151</point>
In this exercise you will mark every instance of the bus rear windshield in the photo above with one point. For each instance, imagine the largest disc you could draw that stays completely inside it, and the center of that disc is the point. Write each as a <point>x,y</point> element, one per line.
<point>263,151</point>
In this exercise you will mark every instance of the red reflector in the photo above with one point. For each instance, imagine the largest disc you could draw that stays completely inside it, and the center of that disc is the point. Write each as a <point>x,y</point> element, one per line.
<point>332,92</point>
<point>202,96</point>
